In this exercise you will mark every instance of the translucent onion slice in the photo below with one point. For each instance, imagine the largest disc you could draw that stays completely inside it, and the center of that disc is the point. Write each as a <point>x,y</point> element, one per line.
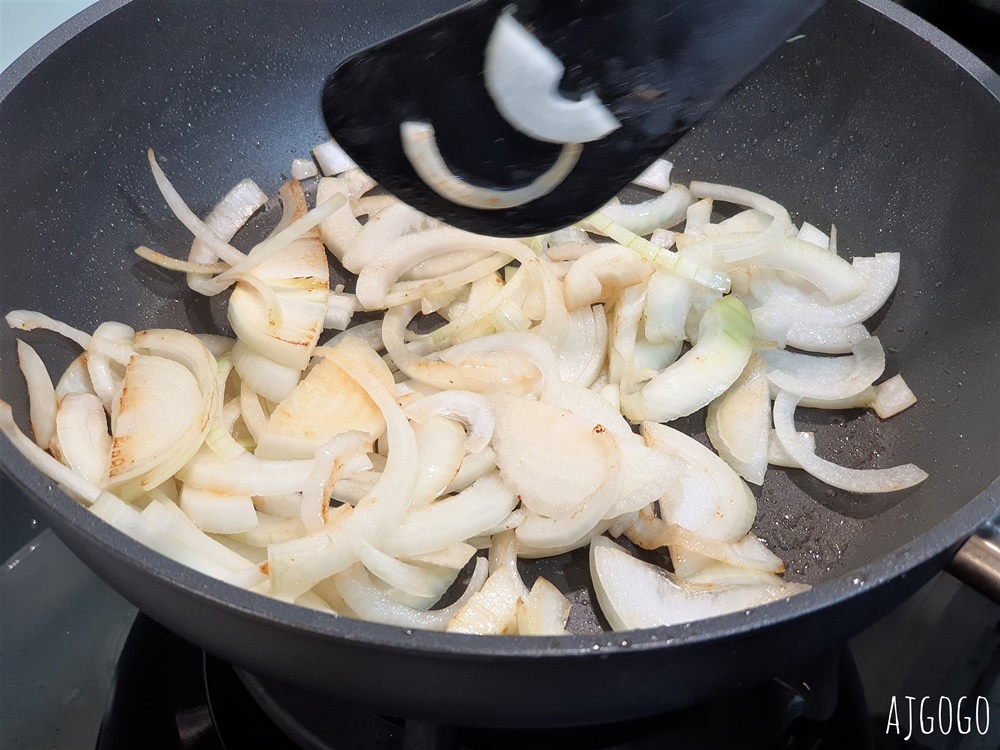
<point>41,394</point>
<point>264,376</point>
<point>826,377</point>
<point>493,609</point>
<point>600,275</point>
<point>725,341</point>
<point>558,533</point>
<point>825,339</point>
<point>375,279</point>
<point>473,410</point>
<point>522,78</point>
<point>332,159</point>
<point>28,320</point>
<point>80,488</point>
<point>370,603</point>
<point>196,226</point>
<point>303,169</point>
<point>440,450</point>
<point>552,458</point>
<point>665,259</point>
<point>852,480</point>
<point>892,397</point>
<point>134,524</point>
<point>545,611</point>
<point>421,149</point>
<point>325,403</point>
<point>663,211</point>
<point>218,513</point>
<point>339,228</point>
<point>778,456</point>
<point>246,474</point>
<point>83,438</point>
<point>707,496</point>
<point>343,456</point>
<point>656,176</point>
<point>584,351</point>
<point>299,276</point>
<point>471,512</point>
<point>772,237</point>
<point>881,273</point>
<point>834,276</point>
<point>168,403</point>
<point>739,423</point>
<point>502,371</point>
<point>668,300</point>
<point>634,594</point>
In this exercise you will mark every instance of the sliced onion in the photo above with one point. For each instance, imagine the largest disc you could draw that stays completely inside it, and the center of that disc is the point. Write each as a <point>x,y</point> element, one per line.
<point>261,375</point>
<point>168,403</point>
<point>664,211</point>
<point>892,397</point>
<point>343,456</point>
<point>826,377</point>
<point>739,423</point>
<point>326,403</point>
<point>246,474</point>
<point>663,258</point>
<point>83,438</point>
<point>371,604</point>
<point>404,253</point>
<point>852,480</point>
<point>771,238</point>
<point>41,394</point>
<point>218,513</point>
<point>339,228</point>
<point>225,220</point>
<point>778,456</point>
<point>28,320</point>
<point>196,226</point>
<point>332,159</point>
<point>725,341</point>
<point>824,339</point>
<point>522,77</point>
<point>453,519</point>
<point>440,450</point>
<point>303,169</point>
<point>634,594</point>
<point>601,274</point>
<point>421,149</point>
<point>544,611</point>
<point>552,458</point>
<point>707,496</point>
<point>833,275</point>
<point>473,410</point>
<point>82,489</point>
<point>493,609</point>
<point>656,176</point>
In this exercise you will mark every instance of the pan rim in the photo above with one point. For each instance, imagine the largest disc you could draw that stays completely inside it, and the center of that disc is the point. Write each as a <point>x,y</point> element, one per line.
<point>929,546</point>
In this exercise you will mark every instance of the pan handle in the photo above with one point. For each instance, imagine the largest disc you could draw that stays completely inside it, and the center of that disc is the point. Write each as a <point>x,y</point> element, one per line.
<point>977,562</point>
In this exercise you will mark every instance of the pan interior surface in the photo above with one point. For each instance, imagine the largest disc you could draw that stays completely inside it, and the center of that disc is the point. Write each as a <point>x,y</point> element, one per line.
<point>860,122</point>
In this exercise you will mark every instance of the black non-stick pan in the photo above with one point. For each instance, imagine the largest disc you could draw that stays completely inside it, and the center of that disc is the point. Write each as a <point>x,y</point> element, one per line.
<point>871,120</point>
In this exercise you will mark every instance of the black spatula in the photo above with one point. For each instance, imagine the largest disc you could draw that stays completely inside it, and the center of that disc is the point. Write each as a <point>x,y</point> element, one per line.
<point>656,66</point>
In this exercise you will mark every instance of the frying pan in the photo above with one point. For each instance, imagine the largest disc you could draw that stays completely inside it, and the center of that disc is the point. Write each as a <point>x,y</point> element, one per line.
<point>873,120</point>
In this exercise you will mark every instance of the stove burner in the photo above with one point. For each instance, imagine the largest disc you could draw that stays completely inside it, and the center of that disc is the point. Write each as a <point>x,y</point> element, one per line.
<point>168,695</point>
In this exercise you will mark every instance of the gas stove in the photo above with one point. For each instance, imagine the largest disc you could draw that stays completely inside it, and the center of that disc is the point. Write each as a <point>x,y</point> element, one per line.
<point>80,668</point>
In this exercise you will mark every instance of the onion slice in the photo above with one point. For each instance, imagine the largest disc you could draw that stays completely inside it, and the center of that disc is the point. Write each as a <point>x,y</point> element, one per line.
<point>522,77</point>
<point>421,149</point>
